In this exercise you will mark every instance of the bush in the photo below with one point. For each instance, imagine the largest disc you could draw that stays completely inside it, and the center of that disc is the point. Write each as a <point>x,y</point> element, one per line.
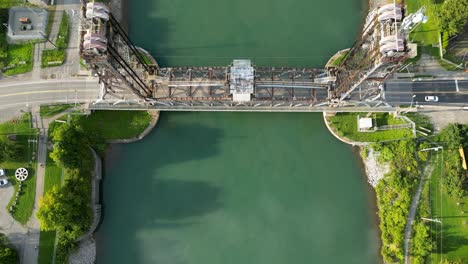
<point>394,196</point>
<point>8,254</point>
<point>53,58</point>
<point>454,178</point>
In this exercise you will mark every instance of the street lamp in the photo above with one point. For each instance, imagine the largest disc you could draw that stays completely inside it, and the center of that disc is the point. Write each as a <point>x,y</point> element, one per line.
<point>412,100</point>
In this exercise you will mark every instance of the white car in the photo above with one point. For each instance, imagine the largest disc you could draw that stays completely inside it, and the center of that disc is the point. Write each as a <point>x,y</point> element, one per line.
<point>2,173</point>
<point>3,181</point>
<point>431,98</point>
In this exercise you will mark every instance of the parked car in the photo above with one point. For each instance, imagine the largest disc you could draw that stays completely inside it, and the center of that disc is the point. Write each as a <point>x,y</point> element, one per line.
<point>2,172</point>
<point>3,181</point>
<point>431,98</point>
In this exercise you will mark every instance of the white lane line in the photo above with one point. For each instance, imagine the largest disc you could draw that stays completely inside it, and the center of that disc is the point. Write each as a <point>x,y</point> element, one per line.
<point>44,92</point>
<point>423,81</point>
<point>78,100</point>
<point>456,85</point>
<point>46,82</point>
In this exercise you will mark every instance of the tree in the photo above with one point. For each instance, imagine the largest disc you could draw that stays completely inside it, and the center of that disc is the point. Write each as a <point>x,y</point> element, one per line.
<point>422,244</point>
<point>66,208</point>
<point>453,16</point>
<point>454,179</point>
<point>70,146</point>
<point>8,254</point>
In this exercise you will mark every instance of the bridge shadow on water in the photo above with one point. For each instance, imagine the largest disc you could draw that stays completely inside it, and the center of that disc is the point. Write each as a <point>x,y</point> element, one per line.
<point>140,199</point>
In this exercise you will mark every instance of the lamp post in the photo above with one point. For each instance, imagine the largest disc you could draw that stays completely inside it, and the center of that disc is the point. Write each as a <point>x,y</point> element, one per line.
<point>412,100</point>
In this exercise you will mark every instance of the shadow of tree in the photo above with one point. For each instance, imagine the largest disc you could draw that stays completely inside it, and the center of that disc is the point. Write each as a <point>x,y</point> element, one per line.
<point>451,240</point>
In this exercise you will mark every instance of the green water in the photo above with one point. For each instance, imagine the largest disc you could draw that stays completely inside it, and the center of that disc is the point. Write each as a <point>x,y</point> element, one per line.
<point>211,188</point>
<point>239,188</point>
<point>270,32</point>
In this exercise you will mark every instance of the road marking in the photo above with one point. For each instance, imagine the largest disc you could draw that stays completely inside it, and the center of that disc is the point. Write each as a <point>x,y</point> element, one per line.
<point>48,82</point>
<point>65,101</point>
<point>49,91</point>
<point>412,82</point>
<point>425,92</point>
<point>456,85</point>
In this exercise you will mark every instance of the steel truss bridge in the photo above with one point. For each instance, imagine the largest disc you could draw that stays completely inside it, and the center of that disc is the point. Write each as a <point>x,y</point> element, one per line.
<point>131,78</point>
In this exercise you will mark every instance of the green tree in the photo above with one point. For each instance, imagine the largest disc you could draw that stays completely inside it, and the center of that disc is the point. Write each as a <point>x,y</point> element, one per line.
<point>70,146</point>
<point>453,16</point>
<point>454,178</point>
<point>8,255</point>
<point>66,208</point>
<point>422,244</point>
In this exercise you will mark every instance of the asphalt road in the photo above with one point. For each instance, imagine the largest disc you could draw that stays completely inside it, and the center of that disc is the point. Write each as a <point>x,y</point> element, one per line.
<point>20,95</point>
<point>448,92</point>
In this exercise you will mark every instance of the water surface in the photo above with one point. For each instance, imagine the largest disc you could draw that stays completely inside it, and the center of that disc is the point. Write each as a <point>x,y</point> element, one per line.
<point>270,32</point>
<point>236,188</point>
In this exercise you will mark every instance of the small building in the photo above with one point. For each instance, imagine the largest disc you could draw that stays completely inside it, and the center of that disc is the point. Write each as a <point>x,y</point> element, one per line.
<point>242,81</point>
<point>365,124</point>
<point>26,24</point>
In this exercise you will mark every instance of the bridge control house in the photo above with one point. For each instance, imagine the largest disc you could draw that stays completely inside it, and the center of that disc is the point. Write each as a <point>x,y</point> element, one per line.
<point>242,80</point>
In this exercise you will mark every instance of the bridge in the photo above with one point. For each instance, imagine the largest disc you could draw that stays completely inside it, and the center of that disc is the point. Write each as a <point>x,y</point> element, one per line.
<point>131,78</point>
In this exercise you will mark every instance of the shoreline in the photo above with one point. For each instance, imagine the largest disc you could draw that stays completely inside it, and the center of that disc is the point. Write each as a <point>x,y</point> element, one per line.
<point>371,202</point>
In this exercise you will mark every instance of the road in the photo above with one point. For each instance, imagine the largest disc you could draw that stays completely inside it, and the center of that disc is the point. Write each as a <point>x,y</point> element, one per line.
<point>449,92</point>
<point>23,95</point>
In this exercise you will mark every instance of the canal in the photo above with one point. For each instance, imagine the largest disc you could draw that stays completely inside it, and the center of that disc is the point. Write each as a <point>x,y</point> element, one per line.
<point>263,188</point>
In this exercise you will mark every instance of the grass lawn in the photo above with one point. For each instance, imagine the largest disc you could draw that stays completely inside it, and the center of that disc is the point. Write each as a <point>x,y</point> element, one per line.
<point>21,125</point>
<point>53,174</point>
<point>25,204</point>
<point>46,247</point>
<point>118,124</point>
<point>56,57</point>
<point>51,110</point>
<point>428,33</point>
<point>25,139</point>
<point>346,125</point>
<point>19,58</point>
<point>53,177</point>
<point>454,224</point>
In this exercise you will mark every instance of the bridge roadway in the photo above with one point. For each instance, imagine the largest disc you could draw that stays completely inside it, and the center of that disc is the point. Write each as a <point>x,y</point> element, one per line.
<point>401,92</point>
<point>17,95</point>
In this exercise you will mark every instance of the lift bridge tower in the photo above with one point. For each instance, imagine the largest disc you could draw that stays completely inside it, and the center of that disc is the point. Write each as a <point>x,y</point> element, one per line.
<point>122,68</point>
<point>380,51</point>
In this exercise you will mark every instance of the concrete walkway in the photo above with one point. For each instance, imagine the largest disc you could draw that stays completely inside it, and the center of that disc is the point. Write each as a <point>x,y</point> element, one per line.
<point>30,250</point>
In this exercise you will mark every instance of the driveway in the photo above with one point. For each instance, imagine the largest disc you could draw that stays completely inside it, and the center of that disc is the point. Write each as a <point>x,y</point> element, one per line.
<point>14,231</point>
